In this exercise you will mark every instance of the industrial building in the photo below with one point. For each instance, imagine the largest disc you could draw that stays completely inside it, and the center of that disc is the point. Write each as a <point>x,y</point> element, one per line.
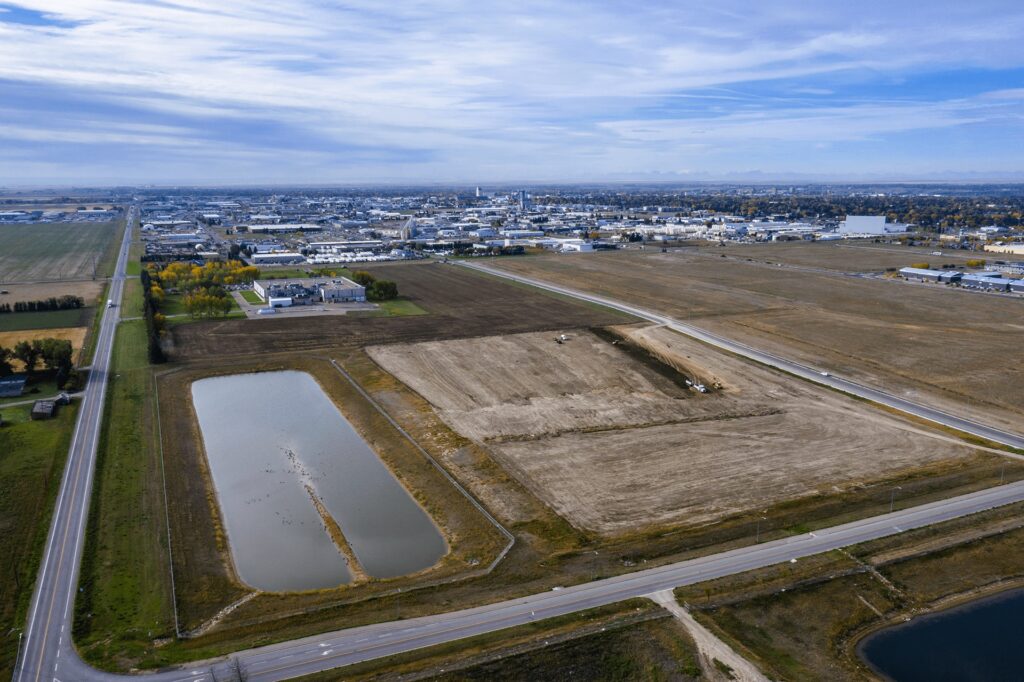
<point>988,281</point>
<point>289,292</point>
<point>277,258</point>
<point>924,275</point>
<point>869,224</point>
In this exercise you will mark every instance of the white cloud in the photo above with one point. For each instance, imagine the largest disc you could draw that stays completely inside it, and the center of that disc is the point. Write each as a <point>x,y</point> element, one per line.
<point>476,84</point>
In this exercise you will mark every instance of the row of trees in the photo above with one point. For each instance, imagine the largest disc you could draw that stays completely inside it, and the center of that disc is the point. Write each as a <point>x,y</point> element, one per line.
<point>155,322</point>
<point>67,302</point>
<point>376,289</point>
<point>54,354</point>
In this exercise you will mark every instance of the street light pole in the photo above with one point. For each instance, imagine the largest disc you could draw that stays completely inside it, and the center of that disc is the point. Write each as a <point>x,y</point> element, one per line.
<point>892,497</point>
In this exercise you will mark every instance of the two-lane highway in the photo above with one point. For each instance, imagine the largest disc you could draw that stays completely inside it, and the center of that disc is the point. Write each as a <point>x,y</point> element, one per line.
<point>48,631</point>
<point>803,371</point>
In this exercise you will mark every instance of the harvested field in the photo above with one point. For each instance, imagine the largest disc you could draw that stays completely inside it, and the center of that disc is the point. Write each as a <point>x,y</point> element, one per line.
<point>614,445</point>
<point>458,303</point>
<point>89,290</point>
<point>53,251</point>
<point>950,349</point>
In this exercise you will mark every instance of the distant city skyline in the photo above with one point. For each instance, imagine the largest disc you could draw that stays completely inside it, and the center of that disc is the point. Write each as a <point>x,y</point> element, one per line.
<point>189,92</point>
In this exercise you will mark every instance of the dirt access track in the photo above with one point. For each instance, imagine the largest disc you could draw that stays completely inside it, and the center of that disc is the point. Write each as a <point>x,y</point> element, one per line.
<point>609,436</point>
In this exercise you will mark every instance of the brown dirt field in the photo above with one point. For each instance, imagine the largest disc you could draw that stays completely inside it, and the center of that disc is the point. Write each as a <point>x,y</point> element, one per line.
<point>90,290</point>
<point>955,350</point>
<point>460,304</point>
<point>614,446</point>
<point>76,335</point>
<point>525,385</point>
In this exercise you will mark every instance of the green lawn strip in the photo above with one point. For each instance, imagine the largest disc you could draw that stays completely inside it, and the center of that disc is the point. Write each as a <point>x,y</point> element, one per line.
<point>251,296</point>
<point>47,319</point>
<point>125,579</point>
<point>135,252</point>
<point>401,306</point>
<point>398,307</point>
<point>108,260</point>
<point>132,302</point>
<point>32,457</point>
<point>283,273</point>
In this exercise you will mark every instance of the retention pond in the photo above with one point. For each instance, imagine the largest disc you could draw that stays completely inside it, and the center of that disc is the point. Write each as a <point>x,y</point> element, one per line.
<point>977,641</point>
<point>278,449</point>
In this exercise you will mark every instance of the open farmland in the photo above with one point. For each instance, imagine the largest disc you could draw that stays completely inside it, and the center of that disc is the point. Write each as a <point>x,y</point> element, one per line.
<point>54,251</point>
<point>952,349</point>
<point>612,444</point>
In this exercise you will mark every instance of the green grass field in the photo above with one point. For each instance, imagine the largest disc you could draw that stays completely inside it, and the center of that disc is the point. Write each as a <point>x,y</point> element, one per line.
<point>125,580</point>
<point>251,296</point>
<point>49,319</point>
<point>135,252</point>
<point>399,307</point>
<point>55,251</point>
<point>32,456</point>
<point>174,308</point>
<point>131,304</point>
<point>282,273</point>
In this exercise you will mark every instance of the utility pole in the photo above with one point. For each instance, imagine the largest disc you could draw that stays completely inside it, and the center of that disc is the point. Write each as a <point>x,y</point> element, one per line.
<point>892,497</point>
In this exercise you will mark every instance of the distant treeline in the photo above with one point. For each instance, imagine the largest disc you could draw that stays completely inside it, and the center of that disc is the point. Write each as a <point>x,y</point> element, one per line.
<point>66,302</point>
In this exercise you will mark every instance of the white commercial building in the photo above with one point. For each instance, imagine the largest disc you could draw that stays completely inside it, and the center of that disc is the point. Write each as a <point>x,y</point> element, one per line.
<point>869,224</point>
<point>284,293</point>
<point>277,258</point>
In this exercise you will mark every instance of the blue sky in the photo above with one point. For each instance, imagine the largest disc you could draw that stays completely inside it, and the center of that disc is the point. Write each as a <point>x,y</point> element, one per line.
<point>189,91</point>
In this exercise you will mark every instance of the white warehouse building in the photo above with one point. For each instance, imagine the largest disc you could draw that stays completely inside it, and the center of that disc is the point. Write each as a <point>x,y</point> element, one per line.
<point>869,224</point>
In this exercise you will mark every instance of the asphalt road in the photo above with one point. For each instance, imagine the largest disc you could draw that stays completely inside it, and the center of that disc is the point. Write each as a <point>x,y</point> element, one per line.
<point>48,653</point>
<point>47,639</point>
<point>810,373</point>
